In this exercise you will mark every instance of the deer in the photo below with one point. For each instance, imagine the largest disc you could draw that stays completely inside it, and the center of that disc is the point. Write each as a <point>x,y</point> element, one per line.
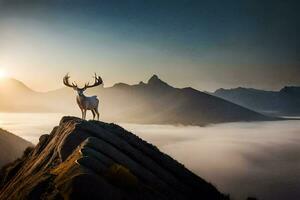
<point>85,103</point>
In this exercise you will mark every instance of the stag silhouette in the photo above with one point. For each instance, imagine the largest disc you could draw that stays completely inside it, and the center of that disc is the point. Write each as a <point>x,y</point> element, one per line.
<point>85,103</point>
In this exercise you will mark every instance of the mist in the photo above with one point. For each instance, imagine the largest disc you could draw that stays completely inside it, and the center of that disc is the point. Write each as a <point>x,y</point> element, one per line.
<point>260,159</point>
<point>242,159</point>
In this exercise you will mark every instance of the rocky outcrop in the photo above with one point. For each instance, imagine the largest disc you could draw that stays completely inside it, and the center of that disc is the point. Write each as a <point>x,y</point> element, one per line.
<point>95,160</point>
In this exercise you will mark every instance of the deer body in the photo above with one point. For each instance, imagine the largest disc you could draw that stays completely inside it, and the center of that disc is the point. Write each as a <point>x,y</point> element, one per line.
<point>85,103</point>
<point>88,103</point>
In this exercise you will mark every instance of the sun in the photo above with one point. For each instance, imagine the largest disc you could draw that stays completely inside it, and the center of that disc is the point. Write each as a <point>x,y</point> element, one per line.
<point>3,73</point>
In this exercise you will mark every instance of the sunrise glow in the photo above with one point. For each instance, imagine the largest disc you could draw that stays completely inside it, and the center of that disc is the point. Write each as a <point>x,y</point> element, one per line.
<point>3,73</point>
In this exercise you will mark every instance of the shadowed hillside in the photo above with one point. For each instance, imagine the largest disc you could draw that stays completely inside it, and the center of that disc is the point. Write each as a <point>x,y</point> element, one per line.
<point>95,160</point>
<point>154,102</point>
<point>283,102</point>
<point>11,147</point>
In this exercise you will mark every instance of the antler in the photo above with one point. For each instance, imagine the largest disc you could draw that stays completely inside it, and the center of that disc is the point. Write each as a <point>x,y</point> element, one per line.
<point>66,82</point>
<point>98,81</point>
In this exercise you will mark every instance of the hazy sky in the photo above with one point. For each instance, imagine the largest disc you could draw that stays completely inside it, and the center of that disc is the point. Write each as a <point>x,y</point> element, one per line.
<point>203,44</point>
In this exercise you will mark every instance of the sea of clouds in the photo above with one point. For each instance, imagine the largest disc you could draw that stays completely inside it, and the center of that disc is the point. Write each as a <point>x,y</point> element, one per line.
<point>260,159</point>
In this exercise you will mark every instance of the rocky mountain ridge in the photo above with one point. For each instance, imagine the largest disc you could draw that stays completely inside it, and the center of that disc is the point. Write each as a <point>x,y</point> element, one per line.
<point>95,160</point>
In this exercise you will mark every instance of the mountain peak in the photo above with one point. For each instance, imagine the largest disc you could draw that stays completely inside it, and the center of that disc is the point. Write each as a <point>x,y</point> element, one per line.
<point>8,83</point>
<point>154,77</point>
<point>83,159</point>
<point>156,81</point>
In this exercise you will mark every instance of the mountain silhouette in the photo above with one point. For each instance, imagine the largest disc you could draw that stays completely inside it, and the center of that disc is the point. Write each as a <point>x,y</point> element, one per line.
<point>11,147</point>
<point>154,102</point>
<point>8,84</point>
<point>283,102</point>
<point>15,96</point>
<point>154,81</point>
<point>95,160</point>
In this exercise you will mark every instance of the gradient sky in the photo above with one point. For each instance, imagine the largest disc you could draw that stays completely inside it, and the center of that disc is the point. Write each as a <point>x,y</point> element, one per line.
<point>203,44</point>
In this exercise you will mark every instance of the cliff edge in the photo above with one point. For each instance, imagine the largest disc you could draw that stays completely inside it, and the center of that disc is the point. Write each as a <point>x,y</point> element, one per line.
<point>95,160</point>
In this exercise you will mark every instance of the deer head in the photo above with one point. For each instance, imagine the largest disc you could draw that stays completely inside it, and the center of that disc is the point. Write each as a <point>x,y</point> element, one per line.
<point>98,81</point>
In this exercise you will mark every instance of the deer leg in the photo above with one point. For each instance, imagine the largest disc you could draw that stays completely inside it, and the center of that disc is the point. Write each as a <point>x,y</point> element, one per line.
<point>94,114</point>
<point>97,112</point>
<point>84,114</point>
<point>82,117</point>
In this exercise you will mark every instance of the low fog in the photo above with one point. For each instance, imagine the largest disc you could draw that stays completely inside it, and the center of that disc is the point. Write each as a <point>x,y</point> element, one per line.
<point>244,159</point>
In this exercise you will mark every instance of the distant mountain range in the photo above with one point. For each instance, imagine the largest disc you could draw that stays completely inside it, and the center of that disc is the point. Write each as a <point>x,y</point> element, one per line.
<point>11,147</point>
<point>285,102</point>
<point>154,102</point>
